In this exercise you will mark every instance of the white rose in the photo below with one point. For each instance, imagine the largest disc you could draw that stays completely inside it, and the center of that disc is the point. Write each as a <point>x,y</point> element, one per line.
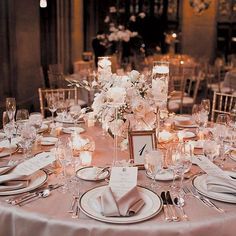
<point>116,95</point>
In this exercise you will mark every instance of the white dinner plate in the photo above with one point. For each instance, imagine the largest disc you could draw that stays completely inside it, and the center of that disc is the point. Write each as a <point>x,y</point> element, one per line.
<point>164,175</point>
<point>43,128</point>
<point>232,154</point>
<point>152,207</point>
<point>5,145</point>
<point>185,125</point>
<point>48,141</point>
<point>70,130</point>
<point>36,180</point>
<point>90,173</point>
<point>189,134</point>
<point>199,183</point>
<point>67,121</point>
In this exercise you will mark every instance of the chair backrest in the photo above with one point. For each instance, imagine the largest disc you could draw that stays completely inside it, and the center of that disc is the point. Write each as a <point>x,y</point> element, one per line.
<point>61,93</point>
<point>222,104</point>
<point>83,67</point>
<point>56,76</point>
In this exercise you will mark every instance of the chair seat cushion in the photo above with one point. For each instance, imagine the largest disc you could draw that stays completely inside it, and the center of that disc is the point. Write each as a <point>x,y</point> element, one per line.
<point>173,106</point>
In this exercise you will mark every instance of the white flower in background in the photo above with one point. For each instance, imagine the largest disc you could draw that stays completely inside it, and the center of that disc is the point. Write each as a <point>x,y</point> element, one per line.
<point>107,19</point>
<point>134,75</point>
<point>116,95</point>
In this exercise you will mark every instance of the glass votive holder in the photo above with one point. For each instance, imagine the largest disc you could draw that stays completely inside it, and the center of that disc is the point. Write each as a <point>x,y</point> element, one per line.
<point>86,158</point>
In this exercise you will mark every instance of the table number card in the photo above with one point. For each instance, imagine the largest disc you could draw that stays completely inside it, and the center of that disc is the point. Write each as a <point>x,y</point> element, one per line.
<point>122,180</point>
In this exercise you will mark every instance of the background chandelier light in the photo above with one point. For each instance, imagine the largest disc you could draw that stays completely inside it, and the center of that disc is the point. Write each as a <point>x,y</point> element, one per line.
<point>43,3</point>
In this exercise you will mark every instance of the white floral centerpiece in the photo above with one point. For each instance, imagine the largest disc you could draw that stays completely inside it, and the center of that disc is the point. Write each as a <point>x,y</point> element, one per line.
<point>132,95</point>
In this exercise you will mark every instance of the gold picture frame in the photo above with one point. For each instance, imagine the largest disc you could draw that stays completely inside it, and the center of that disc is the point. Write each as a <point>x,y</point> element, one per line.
<point>139,143</point>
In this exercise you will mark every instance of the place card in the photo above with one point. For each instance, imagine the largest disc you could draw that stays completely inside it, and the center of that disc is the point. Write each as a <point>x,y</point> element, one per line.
<point>122,180</point>
<point>210,168</point>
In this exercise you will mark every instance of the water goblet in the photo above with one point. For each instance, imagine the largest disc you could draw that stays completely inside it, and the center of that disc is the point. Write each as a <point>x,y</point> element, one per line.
<point>28,135</point>
<point>36,120</point>
<point>153,161</point>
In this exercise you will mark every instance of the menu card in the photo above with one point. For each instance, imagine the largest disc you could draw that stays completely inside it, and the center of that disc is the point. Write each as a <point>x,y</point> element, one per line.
<point>210,168</point>
<point>30,166</point>
<point>122,180</point>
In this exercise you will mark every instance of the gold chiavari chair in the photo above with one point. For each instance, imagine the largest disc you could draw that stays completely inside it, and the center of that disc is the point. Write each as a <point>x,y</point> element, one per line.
<point>56,76</point>
<point>222,104</point>
<point>70,94</point>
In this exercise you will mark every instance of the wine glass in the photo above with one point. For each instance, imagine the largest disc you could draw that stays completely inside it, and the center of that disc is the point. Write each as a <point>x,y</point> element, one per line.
<point>21,116</point>
<point>200,116</point>
<point>11,107</point>
<point>52,104</point>
<point>153,161</point>
<point>180,163</point>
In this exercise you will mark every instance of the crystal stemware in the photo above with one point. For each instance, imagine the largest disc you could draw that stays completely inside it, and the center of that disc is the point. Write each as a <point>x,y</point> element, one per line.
<point>153,161</point>
<point>52,104</point>
<point>36,120</point>
<point>22,115</point>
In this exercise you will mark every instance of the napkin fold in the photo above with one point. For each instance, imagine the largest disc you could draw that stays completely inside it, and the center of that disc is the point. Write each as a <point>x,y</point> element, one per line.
<point>14,185</point>
<point>221,185</point>
<point>128,205</point>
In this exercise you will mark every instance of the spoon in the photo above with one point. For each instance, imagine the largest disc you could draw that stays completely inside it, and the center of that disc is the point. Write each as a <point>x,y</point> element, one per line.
<point>179,202</point>
<point>42,194</point>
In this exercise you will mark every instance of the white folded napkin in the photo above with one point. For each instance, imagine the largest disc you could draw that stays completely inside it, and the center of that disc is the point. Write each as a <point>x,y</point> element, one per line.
<point>127,205</point>
<point>221,185</point>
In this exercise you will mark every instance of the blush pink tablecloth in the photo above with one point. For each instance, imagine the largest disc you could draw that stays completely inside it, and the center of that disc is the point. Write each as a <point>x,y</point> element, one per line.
<point>49,216</point>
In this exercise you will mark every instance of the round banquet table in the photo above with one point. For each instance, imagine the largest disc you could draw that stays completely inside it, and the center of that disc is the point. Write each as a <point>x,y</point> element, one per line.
<point>49,216</point>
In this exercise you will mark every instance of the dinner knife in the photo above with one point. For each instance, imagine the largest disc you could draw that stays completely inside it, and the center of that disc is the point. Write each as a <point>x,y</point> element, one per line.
<point>171,205</point>
<point>165,207</point>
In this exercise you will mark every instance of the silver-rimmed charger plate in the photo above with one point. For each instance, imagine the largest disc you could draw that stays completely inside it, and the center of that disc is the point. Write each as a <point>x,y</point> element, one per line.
<point>152,207</point>
<point>89,173</point>
<point>36,180</point>
<point>199,183</point>
<point>68,121</point>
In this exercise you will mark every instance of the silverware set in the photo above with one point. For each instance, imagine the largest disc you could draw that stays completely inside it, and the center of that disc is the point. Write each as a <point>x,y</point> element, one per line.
<point>74,207</point>
<point>34,195</point>
<point>207,202</point>
<point>169,208</point>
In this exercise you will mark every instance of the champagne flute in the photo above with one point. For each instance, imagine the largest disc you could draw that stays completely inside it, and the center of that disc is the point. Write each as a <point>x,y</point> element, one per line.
<point>153,161</point>
<point>11,107</point>
<point>8,128</point>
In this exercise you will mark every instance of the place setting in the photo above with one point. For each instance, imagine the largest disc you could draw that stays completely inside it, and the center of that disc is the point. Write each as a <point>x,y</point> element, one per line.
<point>24,176</point>
<point>121,201</point>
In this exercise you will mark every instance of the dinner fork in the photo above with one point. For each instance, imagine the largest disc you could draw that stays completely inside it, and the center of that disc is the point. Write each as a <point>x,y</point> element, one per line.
<point>205,200</point>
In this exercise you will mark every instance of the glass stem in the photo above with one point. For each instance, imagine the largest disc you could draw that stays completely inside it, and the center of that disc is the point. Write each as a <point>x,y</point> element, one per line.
<point>115,138</point>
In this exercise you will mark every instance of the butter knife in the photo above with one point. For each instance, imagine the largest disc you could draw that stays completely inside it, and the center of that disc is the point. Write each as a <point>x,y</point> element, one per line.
<point>165,207</point>
<point>172,208</point>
